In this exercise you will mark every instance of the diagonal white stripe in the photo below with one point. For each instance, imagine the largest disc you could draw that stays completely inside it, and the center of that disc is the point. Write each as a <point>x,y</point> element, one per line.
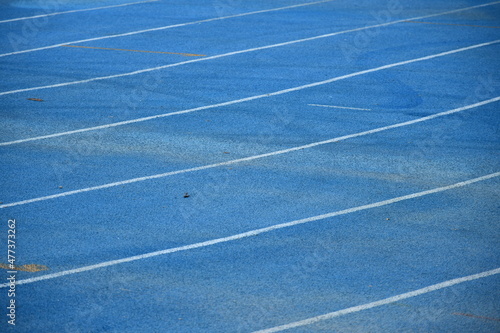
<point>251,13</point>
<point>339,107</point>
<point>254,232</point>
<point>204,58</point>
<point>338,78</point>
<point>250,158</point>
<point>385,301</point>
<point>162,28</point>
<point>75,11</point>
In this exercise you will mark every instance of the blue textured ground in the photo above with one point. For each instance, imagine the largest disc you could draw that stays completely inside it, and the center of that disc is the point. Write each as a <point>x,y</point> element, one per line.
<point>285,275</point>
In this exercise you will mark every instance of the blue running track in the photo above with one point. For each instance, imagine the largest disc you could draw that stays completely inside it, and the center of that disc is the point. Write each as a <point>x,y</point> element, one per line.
<point>250,166</point>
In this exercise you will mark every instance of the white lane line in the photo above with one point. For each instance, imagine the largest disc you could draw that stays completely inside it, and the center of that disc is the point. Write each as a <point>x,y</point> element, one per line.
<point>75,11</point>
<point>217,56</point>
<point>255,232</point>
<point>164,27</point>
<point>338,78</point>
<point>339,107</point>
<point>251,13</point>
<point>250,158</point>
<point>384,301</point>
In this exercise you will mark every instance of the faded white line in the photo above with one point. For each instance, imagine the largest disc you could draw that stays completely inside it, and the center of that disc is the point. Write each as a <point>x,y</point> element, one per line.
<point>384,301</point>
<point>216,56</point>
<point>338,78</point>
<point>254,232</point>
<point>251,158</point>
<point>339,107</point>
<point>164,27</point>
<point>74,11</point>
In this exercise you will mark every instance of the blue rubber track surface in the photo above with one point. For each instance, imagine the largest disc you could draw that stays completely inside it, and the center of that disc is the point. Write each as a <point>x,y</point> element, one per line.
<point>244,166</point>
